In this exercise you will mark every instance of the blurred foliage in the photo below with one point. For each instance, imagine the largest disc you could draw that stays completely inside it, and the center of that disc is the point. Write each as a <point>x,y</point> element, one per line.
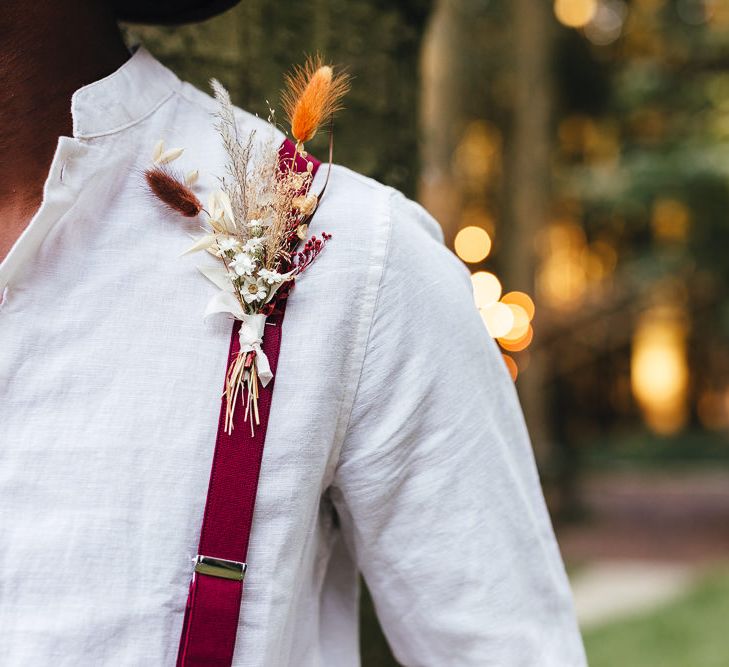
<point>642,163</point>
<point>642,449</point>
<point>251,47</point>
<point>690,631</point>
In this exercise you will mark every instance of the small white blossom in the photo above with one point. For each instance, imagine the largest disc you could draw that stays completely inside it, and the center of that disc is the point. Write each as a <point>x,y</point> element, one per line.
<point>270,277</point>
<point>253,244</point>
<point>261,222</point>
<point>243,264</point>
<point>254,290</point>
<point>227,244</point>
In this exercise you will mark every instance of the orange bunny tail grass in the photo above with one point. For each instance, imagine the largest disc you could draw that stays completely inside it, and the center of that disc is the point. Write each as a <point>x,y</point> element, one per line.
<point>313,93</point>
<point>173,192</point>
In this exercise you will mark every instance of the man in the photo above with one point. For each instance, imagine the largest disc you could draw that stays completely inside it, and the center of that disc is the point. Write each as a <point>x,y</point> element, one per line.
<point>395,445</point>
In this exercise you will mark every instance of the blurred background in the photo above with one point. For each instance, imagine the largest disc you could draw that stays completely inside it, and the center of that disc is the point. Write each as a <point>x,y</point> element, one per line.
<point>576,154</point>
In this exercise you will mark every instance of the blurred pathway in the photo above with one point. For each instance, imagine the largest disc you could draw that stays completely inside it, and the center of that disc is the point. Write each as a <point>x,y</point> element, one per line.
<point>607,590</point>
<point>673,517</point>
<point>647,537</point>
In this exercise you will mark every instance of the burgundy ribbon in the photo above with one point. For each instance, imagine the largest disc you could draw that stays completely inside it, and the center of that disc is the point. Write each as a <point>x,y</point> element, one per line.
<point>213,604</point>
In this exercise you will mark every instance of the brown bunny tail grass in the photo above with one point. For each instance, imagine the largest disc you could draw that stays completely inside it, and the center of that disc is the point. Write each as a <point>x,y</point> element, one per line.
<point>171,191</point>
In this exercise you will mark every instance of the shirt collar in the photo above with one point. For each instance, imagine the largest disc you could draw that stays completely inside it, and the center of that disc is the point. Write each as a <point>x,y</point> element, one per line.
<point>123,98</point>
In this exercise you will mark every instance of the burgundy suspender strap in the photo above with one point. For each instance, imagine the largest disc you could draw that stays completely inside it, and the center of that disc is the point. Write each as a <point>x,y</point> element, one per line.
<point>213,604</point>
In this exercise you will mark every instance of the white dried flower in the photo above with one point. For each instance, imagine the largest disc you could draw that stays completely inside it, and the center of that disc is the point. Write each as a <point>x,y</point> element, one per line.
<point>243,264</point>
<point>227,244</point>
<point>270,277</point>
<point>254,290</point>
<point>253,244</point>
<point>262,222</point>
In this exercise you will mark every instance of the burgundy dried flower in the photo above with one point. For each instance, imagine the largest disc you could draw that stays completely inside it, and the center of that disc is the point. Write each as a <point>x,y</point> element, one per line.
<point>302,259</point>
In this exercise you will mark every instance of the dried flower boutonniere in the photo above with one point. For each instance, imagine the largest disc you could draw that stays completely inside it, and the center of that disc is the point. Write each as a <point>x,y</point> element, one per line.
<point>256,220</point>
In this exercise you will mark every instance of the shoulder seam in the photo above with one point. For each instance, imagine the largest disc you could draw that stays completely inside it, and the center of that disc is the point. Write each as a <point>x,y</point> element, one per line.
<point>183,92</point>
<point>342,433</point>
<point>365,180</point>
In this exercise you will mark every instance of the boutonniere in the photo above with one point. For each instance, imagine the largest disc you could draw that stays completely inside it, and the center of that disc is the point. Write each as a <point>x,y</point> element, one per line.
<point>256,222</point>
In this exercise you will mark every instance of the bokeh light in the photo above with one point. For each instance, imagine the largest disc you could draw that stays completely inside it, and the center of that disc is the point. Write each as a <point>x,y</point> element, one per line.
<point>499,319</point>
<point>521,322</point>
<point>519,344</point>
<point>575,13</point>
<point>472,244</point>
<point>477,157</point>
<point>486,288</point>
<point>511,366</point>
<point>670,220</point>
<point>520,299</point>
<point>658,370</point>
<point>607,23</point>
<point>562,276</point>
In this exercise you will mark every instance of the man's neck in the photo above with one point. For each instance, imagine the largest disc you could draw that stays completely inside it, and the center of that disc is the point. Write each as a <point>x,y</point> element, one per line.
<point>48,49</point>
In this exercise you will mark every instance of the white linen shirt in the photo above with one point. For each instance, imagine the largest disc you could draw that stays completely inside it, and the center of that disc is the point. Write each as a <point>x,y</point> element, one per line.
<point>395,446</point>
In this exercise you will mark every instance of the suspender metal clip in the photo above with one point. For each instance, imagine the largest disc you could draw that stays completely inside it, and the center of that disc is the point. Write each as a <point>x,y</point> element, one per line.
<point>220,567</point>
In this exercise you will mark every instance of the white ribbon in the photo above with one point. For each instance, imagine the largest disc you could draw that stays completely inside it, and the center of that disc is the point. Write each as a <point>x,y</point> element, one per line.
<point>251,330</point>
<point>251,337</point>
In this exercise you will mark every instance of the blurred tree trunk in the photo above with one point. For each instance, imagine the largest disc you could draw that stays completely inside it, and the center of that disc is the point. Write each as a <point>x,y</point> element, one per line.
<point>527,185</point>
<point>442,115</point>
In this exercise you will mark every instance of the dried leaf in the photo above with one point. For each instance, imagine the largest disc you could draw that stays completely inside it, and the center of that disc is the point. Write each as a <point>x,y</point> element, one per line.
<point>170,155</point>
<point>191,177</point>
<point>203,243</point>
<point>159,148</point>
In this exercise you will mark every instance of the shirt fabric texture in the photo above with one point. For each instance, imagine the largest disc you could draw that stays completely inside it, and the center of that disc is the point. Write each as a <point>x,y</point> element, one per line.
<point>395,447</point>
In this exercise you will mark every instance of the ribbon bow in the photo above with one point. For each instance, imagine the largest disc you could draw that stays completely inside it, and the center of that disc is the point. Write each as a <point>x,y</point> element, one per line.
<point>251,330</point>
<point>251,337</point>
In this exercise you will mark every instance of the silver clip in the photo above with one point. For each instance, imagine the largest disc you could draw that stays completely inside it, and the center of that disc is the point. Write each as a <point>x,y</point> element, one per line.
<point>220,567</point>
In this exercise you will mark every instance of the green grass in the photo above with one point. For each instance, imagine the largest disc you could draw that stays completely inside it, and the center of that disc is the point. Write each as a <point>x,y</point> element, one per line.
<point>642,449</point>
<point>693,631</point>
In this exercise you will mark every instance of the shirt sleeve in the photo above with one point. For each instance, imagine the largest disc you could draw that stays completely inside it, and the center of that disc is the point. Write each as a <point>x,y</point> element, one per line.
<point>436,488</point>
